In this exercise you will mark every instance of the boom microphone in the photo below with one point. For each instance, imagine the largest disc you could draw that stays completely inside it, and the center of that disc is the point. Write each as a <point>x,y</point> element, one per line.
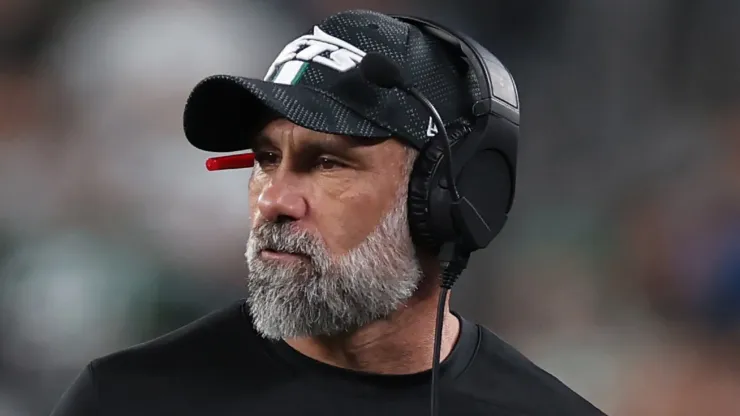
<point>381,71</point>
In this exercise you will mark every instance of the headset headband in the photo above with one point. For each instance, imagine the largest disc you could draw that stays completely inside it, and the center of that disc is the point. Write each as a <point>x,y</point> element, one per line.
<point>499,95</point>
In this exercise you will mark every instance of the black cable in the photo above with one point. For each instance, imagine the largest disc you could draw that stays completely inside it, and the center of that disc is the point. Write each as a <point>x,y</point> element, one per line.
<point>454,193</point>
<point>438,350</point>
<point>450,274</point>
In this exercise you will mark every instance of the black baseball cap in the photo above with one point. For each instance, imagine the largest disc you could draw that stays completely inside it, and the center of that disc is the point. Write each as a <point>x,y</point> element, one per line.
<point>315,83</point>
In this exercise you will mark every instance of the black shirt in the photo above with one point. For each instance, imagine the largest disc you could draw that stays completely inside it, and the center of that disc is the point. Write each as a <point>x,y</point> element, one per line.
<point>219,366</point>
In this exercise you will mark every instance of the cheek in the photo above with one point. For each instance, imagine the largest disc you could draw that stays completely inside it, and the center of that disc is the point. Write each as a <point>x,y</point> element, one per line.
<point>345,220</point>
<point>257,183</point>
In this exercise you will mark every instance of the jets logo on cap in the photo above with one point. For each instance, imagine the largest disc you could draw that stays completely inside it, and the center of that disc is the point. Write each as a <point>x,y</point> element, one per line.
<point>320,48</point>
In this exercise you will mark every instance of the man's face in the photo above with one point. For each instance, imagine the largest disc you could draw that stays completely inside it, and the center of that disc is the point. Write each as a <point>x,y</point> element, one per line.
<point>329,249</point>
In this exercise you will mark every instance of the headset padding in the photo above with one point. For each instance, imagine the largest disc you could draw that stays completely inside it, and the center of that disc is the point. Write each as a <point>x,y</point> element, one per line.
<point>421,183</point>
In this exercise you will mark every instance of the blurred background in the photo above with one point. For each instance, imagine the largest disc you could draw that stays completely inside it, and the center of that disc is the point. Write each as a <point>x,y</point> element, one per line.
<point>619,270</point>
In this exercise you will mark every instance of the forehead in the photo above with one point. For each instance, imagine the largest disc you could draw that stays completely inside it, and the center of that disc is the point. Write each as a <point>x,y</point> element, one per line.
<point>284,132</point>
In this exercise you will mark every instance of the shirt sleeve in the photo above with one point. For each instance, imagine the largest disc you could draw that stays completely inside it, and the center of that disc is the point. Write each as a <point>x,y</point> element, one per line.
<point>80,399</point>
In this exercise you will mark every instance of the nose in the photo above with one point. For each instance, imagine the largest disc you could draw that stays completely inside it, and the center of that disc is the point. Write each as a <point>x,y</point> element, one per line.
<point>281,201</point>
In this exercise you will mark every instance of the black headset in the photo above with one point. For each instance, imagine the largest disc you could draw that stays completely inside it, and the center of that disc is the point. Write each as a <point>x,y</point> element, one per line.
<point>485,157</point>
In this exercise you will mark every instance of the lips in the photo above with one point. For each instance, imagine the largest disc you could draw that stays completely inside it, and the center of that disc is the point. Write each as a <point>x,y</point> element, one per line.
<point>282,255</point>
<point>283,250</point>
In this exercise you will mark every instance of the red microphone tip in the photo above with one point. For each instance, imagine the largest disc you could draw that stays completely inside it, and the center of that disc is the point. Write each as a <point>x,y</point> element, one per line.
<point>240,161</point>
<point>211,164</point>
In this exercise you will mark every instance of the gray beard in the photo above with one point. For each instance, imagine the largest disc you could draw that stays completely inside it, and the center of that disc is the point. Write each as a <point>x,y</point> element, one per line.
<point>325,295</point>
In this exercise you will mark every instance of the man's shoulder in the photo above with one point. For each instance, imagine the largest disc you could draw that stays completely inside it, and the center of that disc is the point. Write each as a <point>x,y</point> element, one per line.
<point>218,336</point>
<point>208,355</point>
<point>502,375</point>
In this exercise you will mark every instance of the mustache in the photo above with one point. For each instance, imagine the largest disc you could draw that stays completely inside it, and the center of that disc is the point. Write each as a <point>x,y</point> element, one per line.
<point>285,238</point>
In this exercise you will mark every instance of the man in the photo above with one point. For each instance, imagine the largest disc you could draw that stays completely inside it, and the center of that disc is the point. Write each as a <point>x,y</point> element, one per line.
<point>340,311</point>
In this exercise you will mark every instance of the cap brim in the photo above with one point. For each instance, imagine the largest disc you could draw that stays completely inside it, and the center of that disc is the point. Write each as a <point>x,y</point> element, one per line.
<point>224,112</point>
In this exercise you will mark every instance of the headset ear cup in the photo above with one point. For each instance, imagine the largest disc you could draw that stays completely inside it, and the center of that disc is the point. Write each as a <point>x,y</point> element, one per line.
<point>421,183</point>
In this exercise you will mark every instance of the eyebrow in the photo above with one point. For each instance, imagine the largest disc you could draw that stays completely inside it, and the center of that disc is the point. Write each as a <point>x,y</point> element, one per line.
<point>261,140</point>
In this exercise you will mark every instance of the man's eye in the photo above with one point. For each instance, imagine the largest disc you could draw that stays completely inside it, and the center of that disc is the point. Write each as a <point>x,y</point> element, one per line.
<point>326,163</point>
<point>265,159</point>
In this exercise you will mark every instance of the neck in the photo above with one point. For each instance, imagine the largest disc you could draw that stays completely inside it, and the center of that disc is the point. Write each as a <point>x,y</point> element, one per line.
<point>400,344</point>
